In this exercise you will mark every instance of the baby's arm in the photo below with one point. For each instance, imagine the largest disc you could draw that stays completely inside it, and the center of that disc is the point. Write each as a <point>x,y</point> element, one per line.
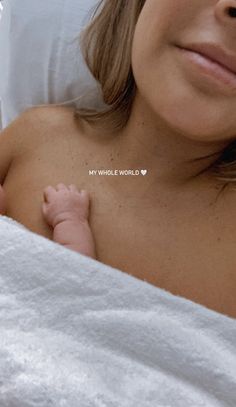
<point>66,209</point>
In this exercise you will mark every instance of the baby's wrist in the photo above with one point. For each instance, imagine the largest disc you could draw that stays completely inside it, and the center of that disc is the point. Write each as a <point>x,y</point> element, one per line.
<point>69,217</point>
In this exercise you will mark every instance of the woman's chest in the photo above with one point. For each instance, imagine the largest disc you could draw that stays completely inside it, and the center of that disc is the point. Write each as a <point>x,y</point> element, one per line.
<point>187,253</point>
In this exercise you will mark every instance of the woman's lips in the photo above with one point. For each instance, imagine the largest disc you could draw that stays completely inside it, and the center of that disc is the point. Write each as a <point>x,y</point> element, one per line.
<point>210,68</point>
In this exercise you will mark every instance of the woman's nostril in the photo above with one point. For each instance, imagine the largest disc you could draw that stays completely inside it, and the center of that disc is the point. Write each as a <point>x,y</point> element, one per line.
<point>232,11</point>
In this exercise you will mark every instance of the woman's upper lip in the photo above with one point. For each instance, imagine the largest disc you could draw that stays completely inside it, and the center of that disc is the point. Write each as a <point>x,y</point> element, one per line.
<point>216,53</point>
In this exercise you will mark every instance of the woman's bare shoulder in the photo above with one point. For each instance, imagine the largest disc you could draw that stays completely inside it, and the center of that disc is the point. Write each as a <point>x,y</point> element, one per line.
<point>53,113</point>
<point>39,123</point>
<point>48,116</point>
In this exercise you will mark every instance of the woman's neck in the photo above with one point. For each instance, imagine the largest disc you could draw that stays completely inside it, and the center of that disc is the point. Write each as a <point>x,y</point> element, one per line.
<point>170,158</point>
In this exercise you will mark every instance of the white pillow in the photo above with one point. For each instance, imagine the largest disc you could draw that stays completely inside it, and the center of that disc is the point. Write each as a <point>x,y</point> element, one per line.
<point>41,61</point>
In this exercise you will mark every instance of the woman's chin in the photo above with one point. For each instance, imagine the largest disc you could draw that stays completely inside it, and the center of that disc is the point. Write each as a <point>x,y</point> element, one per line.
<point>197,124</point>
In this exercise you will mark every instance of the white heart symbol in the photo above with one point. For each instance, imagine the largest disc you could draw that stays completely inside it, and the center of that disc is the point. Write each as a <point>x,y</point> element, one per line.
<point>143,172</point>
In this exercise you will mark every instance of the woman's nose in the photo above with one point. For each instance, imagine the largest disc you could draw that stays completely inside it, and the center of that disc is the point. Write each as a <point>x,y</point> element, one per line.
<point>225,11</point>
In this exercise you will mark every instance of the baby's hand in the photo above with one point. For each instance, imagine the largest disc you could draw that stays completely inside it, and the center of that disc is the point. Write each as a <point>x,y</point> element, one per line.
<point>65,203</point>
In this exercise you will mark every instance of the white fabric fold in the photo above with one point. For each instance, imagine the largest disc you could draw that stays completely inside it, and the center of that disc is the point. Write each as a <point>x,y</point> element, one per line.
<point>77,333</point>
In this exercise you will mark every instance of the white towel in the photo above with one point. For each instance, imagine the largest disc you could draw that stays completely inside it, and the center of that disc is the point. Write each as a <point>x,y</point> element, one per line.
<point>77,333</point>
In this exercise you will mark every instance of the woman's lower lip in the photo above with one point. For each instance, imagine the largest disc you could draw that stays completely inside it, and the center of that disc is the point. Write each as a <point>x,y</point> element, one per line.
<point>211,68</point>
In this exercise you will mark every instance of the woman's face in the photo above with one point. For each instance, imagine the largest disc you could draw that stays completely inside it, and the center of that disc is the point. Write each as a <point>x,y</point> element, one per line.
<point>178,85</point>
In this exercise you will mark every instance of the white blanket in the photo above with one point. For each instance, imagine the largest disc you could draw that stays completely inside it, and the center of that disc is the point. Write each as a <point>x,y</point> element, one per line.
<point>76,333</point>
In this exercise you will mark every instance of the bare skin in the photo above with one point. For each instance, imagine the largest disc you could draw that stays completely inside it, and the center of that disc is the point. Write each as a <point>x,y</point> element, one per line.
<point>3,203</point>
<point>66,210</point>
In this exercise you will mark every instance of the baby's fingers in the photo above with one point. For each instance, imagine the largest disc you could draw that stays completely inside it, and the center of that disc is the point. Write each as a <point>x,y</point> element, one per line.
<point>44,208</point>
<point>48,214</point>
<point>73,188</point>
<point>48,193</point>
<point>61,187</point>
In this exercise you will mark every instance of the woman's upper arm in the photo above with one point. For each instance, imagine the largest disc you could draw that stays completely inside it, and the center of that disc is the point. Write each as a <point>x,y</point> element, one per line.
<point>12,139</point>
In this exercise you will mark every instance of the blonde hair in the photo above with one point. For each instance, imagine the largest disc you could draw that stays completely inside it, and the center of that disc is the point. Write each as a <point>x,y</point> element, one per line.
<point>106,45</point>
